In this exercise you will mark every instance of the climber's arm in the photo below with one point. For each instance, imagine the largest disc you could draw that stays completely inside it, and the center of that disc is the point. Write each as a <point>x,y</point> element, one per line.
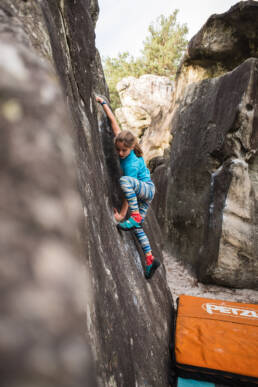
<point>110,115</point>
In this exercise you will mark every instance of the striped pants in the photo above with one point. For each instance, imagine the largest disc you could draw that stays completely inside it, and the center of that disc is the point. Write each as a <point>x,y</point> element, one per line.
<point>139,196</point>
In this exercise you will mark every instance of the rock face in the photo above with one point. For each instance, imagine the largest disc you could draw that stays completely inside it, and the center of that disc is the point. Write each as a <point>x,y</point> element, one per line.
<point>145,104</point>
<point>225,41</point>
<point>207,201</point>
<point>44,285</point>
<point>54,278</point>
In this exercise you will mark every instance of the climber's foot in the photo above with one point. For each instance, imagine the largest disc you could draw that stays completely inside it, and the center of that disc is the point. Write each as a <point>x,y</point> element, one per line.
<point>150,269</point>
<point>129,224</point>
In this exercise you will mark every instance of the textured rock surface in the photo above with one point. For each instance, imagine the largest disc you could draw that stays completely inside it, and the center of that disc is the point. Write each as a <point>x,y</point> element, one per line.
<point>207,191</point>
<point>42,335</point>
<point>225,41</point>
<point>145,104</point>
<point>211,197</point>
<point>46,300</point>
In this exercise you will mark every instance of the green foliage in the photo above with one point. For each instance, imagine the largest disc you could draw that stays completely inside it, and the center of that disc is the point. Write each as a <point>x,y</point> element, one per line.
<point>162,51</point>
<point>164,46</point>
<point>117,68</point>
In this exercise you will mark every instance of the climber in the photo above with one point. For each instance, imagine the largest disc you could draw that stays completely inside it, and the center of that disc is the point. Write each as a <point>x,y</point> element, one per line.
<point>137,187</point>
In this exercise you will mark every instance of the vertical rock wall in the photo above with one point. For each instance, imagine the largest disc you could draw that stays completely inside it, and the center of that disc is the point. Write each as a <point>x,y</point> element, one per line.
<point>58,315</point>
<point>44,281</point>
<point>210,192</point>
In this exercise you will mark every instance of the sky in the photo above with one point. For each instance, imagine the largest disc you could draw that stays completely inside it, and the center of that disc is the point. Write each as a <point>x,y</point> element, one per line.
<point>123,24</point>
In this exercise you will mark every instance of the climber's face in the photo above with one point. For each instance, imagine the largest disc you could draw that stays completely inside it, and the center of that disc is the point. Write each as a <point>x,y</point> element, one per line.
<point>122,150</point>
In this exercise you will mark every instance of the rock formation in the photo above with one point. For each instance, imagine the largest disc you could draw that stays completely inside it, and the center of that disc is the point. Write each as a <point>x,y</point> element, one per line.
<point>145,105</point>
<point>74,297</point>
<point>225,41</point>
<point>207,193</point>
<point>44,285</point>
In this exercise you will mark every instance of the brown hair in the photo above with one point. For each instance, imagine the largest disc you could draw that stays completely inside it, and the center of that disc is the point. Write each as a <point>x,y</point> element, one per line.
<point>129,140</point>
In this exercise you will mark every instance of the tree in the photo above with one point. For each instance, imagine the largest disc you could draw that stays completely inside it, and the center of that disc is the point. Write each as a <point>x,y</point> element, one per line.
<point>117,68</point>
<point>165,45</point>
<point>161,54</point>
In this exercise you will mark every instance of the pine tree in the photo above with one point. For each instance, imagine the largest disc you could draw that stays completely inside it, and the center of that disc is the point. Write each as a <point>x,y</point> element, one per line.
<point>162,51</point>
<point>164,46</point>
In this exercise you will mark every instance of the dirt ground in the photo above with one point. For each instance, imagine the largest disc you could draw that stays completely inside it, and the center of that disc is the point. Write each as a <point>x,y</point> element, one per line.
<point>181,281</point>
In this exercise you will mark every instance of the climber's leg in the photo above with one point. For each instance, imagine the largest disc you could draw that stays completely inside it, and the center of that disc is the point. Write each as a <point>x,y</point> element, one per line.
<point>135,190</point>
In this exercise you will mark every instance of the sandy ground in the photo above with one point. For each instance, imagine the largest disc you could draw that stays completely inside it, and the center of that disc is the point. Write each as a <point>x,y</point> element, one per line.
<point>181,281</point>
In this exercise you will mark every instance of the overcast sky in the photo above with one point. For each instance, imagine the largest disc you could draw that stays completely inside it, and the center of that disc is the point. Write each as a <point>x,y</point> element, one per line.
<point>123,24</point>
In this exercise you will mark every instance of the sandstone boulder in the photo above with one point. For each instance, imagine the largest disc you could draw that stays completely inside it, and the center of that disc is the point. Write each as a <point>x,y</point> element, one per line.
<point>207,190</point>
<point>145,104</point>
<point>44,282</point>
<point>211,196</point>
<point>54,317</point>
<point>225,41</point>
<point>228,38</point>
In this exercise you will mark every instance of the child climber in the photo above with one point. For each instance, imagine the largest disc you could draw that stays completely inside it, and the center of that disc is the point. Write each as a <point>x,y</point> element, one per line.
<point>137,187</point>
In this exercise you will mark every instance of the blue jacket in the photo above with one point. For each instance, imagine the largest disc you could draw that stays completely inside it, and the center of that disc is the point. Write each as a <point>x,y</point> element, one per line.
<point>135,167</point>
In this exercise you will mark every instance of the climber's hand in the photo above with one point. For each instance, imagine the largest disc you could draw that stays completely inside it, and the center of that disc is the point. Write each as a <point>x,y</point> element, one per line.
<point>99,99</point>
<point>117,215</point>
